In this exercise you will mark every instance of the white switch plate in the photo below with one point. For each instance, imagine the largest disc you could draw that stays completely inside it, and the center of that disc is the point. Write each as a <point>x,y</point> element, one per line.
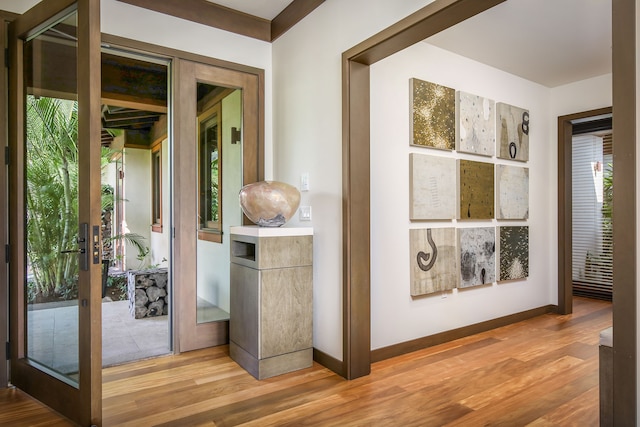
<point>304,181</point>
<point>305,213</point>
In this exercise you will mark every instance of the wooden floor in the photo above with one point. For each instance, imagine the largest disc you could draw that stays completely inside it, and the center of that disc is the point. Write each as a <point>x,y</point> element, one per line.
<point>540,372</point>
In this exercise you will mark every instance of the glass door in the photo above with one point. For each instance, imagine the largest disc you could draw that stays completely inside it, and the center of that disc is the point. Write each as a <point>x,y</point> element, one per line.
<point>216,145</point>
<point>55,269</point>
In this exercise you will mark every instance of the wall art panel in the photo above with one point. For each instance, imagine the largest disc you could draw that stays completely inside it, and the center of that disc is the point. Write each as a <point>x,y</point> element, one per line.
<point>433,111</point>
<point>432,187</point>
<point>512,192</point>
<point>512,132</point>
<point>434,260</point>
<point>514,252</point>
<point>476,182</point>
<point>477,256</point>
<point>475,121</point>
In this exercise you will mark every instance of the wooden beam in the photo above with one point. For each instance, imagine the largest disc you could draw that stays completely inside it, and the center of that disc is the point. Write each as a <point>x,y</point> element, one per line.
<point>624,213</point>
<point>424,23</point>
<point>211,14</point>
<point>291,15</point>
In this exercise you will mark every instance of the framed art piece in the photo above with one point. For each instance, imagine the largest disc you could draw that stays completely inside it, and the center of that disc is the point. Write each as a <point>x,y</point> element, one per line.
<point>512,192</point>
<point>476,189</point>
<point>477,256</point>
<point>433,111</point>
<point>475,124</point>
<point>512,132</point>
<point>432,187</point>
<point>514,252</point>
<point>434,260</point>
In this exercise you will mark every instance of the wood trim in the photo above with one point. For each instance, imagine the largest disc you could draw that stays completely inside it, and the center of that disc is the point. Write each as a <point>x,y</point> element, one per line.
<point>89,189</point>
<point>356,221</point>
<point>565,198</point>
<point>4,211</point>
<point>291,15</point>
<point>148,48</point>
<point>39,16</point>
<point>454,334</point>
<point>211,14</point>
<point>224,18</point>
<point>427,21</point>
<point>625,212</point>
<point>329,362</point>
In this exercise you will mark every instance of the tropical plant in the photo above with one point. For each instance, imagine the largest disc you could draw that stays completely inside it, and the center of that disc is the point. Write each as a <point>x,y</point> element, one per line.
<point>52,193</point>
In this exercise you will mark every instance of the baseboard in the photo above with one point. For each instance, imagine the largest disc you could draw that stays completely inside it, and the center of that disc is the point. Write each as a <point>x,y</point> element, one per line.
<point>329,362</point>
<point>442,337</point>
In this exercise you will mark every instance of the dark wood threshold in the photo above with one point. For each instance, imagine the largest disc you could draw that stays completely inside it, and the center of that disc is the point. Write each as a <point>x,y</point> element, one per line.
<point>454,334</point>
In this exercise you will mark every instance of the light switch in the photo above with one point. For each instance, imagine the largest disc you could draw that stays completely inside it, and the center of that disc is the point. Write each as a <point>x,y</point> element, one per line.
<point>305,213</point>
<point>304,182</point>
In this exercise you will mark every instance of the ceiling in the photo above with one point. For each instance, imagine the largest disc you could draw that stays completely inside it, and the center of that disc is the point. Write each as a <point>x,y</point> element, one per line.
<point>266,9</point>
<point>550,42</point>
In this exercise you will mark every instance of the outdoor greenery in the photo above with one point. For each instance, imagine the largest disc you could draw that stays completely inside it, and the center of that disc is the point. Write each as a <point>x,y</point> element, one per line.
<point>52,194</point>
<point>52,199</point>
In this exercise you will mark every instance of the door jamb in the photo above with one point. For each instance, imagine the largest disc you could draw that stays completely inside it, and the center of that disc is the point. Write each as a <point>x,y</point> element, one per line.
<point>565,198</point>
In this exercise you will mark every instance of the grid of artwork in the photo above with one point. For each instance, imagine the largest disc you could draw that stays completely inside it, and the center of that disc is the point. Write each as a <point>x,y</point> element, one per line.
<point>445,187</point>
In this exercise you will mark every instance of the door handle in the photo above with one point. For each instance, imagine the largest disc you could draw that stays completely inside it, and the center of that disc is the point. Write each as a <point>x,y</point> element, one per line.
<point>83,255</point>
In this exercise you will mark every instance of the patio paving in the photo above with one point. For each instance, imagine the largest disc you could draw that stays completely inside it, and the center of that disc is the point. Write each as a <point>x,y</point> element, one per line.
<point>124,338</point>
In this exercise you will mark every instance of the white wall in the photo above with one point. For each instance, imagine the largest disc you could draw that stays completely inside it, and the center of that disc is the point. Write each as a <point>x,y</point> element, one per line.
<point>396,317</point>
<point>213,258</point>
<point>137,204</point>
<point>307,112</point>
<point>160,241</point>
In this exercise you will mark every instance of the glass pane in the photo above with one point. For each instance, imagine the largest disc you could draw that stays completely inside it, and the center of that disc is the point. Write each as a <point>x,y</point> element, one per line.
<point>52,199</point>
<point>592,187</point>
<point>220,181</point>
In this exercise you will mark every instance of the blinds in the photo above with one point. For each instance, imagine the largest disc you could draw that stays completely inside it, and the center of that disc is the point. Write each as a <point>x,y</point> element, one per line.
<point>592,168</point>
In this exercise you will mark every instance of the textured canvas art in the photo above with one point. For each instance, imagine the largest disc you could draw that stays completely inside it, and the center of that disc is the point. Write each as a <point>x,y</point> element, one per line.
<point>512,132</point>
<point>512,192</point>
<point>433,111</point>
<point>476,121</point>
<point>477,256</point>
<point>514,253</point>
<point>434,260</point>
<point>476,183</point>
<point>432,187</point>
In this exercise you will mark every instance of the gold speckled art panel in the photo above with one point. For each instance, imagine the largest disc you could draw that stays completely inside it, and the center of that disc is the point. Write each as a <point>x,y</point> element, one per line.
<point>433,111</point>
<point>476,190</point>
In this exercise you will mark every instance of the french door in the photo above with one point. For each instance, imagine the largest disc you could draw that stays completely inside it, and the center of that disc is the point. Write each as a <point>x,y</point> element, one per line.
<point>55,265</point>
<point>214,104</point>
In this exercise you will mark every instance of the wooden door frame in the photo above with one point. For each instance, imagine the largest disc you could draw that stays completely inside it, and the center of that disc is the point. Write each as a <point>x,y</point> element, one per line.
<point>565,199</point>
<point>248,78</point>
<point>86,405</point>
<point>433,18</point>
<point>4,209</point>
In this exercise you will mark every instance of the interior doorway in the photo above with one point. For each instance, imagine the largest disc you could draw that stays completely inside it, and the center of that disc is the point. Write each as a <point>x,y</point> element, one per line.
<point>592,207</point>
<point>566,126</point>
<point>135,188</point>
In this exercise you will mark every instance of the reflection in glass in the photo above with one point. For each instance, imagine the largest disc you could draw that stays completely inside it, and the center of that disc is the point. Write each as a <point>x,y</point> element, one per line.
<point>52,199</point>
<point>219,180</point>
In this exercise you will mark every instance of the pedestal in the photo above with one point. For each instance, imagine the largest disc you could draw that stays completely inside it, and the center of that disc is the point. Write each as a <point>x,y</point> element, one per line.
<point>270,325</point>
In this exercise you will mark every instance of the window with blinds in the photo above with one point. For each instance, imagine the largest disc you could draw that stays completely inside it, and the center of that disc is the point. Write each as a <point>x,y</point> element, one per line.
<point>592,173</point>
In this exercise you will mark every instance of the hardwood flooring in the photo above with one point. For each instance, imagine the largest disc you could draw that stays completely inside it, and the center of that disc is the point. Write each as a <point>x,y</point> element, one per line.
<point>539,372</point>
